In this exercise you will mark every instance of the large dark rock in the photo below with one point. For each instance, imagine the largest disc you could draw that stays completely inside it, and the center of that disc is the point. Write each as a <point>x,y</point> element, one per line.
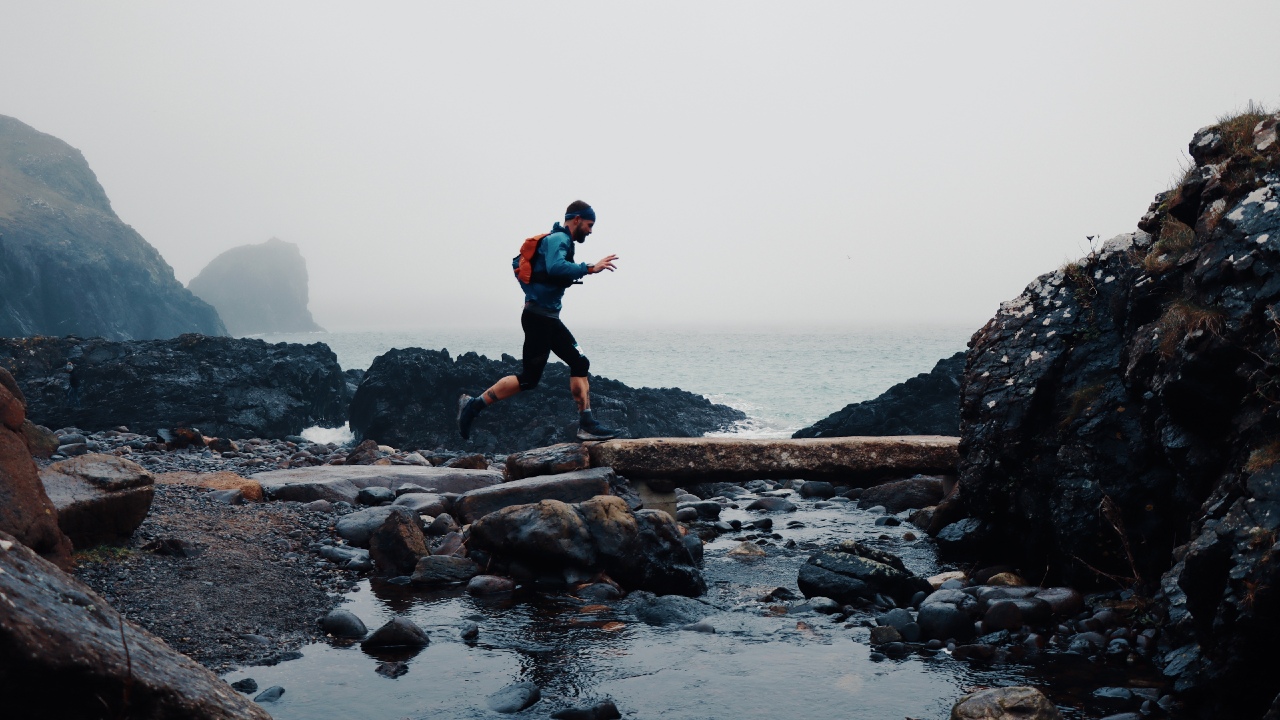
<point>25,509</point>
<point>258,288</point>
<point>99,498</point>
<point>643,550</point>
<point>408,398</point>
<point>917,492</point>
<point>397,543</point>
<point>851,571</point>
<point>1128,402</point>
<point>225,387</point>
<point>560,458</point>
<point>927,404</point>
<point>66,653</point>
<point>68,265</point>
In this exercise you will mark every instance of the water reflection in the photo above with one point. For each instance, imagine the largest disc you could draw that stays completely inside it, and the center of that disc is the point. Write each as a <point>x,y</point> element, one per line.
<point>758,663</point>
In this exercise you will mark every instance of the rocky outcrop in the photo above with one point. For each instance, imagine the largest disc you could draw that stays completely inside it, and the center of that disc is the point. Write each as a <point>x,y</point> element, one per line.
<point>99,498</point>
<point>25,509</point>
<point>641,550</point>
<point>68,265</point>
<point>66,653</point>
<point>225,387</point>
<point>855,459</point>
<point>409,398</point>
<point>1127,403</point>
<point>852,572</point>
<point>927,404</point>
<point>258,288</point>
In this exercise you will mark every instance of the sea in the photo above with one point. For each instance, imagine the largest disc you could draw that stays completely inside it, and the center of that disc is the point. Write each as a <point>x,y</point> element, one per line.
<point>782,379</point>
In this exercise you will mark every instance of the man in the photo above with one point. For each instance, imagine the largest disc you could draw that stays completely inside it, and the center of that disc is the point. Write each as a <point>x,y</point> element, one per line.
<point>553,271</point>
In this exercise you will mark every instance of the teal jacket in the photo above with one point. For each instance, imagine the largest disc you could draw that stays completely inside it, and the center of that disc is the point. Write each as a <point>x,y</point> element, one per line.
<point>554,262</point>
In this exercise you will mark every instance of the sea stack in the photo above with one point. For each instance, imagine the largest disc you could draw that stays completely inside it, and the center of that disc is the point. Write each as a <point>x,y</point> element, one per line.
<point>258,288</point>
<point>68,264</point>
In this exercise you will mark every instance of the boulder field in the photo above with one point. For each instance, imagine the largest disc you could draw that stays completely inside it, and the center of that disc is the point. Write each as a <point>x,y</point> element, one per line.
<point>1120,419</point>
<point>408,398</point>
<point>225,387</point>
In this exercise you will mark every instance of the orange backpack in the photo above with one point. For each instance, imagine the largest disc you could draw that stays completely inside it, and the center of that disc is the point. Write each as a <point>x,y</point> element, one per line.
<point>522,264</point>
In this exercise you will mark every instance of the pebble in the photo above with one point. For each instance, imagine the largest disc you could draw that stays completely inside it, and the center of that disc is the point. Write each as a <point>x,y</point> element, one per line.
<point>514,698</point>
<point>398,632</point>
<point>271,694</point>
<point>701,626</point>
<point>490,585</point>
<point>469,631</point>
<point>343,624</point>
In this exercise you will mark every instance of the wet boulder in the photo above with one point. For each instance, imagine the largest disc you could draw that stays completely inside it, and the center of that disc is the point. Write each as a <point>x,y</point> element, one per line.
<point>396,544</point>
<point>920,491</point>
<point>851,571</point>
<point>667,609</point>
<point>61,644</point>
<point>640,550</point>
<point>1006,703</point>
<point>343,624</point>
<point>99,498</point>
<point>398,632</point>
<point>551,460</point>
<point>25,509</point>
<point>357,527</point>
<point>435,570</point>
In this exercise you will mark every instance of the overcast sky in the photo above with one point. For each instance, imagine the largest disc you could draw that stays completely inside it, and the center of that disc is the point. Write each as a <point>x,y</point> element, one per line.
<point>808,164</point>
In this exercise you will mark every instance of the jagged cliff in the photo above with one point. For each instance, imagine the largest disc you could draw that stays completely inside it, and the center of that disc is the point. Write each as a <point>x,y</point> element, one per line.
<point>258,288</point>
<point>1120,420</point>
<point>68,265</point>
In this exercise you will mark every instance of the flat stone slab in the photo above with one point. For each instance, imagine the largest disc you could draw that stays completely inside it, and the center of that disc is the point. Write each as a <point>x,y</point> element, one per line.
<point>861,460</point>
<point>572,487</point>
<point>343,482</point>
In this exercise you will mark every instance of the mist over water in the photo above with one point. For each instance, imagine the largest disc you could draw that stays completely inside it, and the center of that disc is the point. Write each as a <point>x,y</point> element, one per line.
<point>783,379</point>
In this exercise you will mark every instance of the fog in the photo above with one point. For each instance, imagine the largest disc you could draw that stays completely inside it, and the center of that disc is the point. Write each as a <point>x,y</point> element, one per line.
<point>782,164</point>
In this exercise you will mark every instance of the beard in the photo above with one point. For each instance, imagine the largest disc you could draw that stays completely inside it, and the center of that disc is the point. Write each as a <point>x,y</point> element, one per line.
<point>577,235</point>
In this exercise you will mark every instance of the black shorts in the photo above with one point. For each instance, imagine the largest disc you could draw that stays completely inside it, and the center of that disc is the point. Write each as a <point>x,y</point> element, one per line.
<point>542,336</point>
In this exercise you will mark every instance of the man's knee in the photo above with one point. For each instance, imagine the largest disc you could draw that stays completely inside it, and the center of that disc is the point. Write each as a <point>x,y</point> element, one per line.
<point>578,366</point>
<point>528,382</point>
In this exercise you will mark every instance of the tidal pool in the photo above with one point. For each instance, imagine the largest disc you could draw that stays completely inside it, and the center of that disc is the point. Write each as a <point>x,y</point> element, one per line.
<point>760,662</point>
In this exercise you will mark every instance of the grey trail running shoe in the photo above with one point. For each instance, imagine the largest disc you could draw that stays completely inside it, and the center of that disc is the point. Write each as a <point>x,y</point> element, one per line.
<point>593,430</point>
<point>468,409</point>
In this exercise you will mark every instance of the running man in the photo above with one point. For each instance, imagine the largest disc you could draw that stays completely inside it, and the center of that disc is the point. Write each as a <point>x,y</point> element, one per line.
<point>553,271</point>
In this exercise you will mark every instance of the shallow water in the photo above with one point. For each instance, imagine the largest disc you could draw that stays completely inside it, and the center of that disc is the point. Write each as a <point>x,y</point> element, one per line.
<point>757,665</point>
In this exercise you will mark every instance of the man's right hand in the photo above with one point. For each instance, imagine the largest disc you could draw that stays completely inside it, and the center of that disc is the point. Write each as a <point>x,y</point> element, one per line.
<point>604,264</point>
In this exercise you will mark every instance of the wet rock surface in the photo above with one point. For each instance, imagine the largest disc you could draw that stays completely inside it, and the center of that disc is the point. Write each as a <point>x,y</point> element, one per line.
<point>567,487</point>
<point>256,572</point>
<point>25,509</point>
<point>226,387</point>
<point>927,404</point>
<point>1124,404</point>
<point>409,398</point>
<point>63,644</point>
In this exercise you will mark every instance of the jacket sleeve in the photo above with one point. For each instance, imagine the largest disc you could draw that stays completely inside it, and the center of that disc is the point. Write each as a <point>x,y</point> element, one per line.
<point>556,249</point>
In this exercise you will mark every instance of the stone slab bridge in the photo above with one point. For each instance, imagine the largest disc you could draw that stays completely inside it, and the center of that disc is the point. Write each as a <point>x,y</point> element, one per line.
<point>858,461</point>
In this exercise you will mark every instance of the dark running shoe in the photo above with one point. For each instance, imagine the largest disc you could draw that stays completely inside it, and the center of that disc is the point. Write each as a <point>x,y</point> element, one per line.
<point>468,409</point>
<point>593,430</point>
